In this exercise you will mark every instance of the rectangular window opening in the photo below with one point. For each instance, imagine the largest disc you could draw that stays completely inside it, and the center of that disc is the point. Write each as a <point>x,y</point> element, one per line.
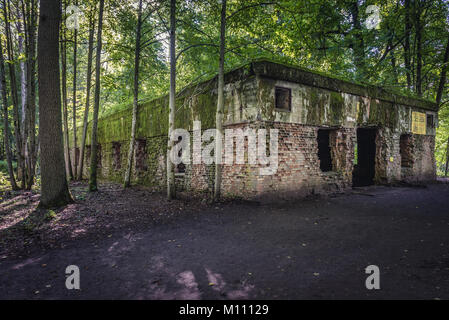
<point>283,97</point>
<point>324,150</point>
<point>430,121</point>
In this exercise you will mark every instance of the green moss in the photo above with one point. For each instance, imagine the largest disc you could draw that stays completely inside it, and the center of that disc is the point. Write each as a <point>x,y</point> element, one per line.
<point>278,69</point>
<point>337,108</point>
<point>316,107</point>
<point>266,101</point>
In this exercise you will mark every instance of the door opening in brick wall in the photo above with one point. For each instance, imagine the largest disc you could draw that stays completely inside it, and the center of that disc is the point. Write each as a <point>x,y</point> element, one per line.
<point>365,164</point>
<point>324,150</point>
<point>180,168</point>
<point>406,150</point>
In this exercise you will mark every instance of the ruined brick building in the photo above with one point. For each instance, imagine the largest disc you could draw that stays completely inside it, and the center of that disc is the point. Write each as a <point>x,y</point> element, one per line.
<point>333,134</point>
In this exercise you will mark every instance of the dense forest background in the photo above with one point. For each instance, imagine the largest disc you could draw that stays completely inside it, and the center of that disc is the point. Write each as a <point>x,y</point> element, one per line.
<point>401,45</point>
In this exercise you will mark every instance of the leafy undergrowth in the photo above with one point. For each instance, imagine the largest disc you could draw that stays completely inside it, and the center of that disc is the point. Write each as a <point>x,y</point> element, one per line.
<point>24,227</point>
<point>5,186</point>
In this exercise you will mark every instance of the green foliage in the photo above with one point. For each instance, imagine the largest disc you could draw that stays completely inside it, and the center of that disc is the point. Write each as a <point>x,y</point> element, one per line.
<point>4,166</point>
<point>322,35</point>
<point>4,183</point>
<point>50,215</point>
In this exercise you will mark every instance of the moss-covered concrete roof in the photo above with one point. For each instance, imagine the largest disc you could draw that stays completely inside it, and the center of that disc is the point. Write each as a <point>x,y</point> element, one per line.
<point>275,70</point>
<point>281,71</point>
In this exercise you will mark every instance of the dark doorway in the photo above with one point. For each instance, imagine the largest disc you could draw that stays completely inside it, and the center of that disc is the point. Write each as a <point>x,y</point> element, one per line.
<point>324,150</point>
<point>365,158</point>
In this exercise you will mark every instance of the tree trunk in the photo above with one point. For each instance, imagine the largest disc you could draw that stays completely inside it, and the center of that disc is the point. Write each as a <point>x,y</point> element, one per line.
<point>75,48</point>
<point>23,82</point>
<point>447,159</point>
<point>419,42</point>
<point>136,98</point>
<point>54,189</point>
<point>393,63</point>
<point>172,97</point>
<point>408,27</point>
<point>220,105</point>
<point>14,96</point>
<point>444,70</point>
<point>31,94</point>
<point>64,100</point>
<point>93,156</point>
<point>6,121</point>
<point>358,45</point>
<point>88,87</point>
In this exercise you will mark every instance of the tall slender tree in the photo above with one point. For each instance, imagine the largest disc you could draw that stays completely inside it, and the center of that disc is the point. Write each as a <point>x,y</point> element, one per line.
<point>407,55</point>
<point>30,30</point>
<point>93,157</point>
<point>136,97</point>
<point>75,65</point>
<point>14,95</point>
<point>90,51</point>
<point>4,94</point>
<point>22,44</point>
<point>54,188</point>
<point>65,112</point>
<point>444,69</point>
<point>220,105</point>
<point>172,101</point>
<point>419,46</point>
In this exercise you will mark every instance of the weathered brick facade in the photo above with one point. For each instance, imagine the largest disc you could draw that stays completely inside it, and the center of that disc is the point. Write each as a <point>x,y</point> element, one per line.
<point>298,103</point>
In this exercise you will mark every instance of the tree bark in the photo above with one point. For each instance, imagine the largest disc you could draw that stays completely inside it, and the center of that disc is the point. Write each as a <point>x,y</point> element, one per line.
<point>358,45</point>
<point>54,188</point>
<point>23,79</point>
<point>136,98</point>
<point>407,60</point>
<point>31,94</point>
<point>443,74</point>
<point>220,105</point>
<point>447,159</point>
<point>75,49</point>
<point>172,102</point>
<point>419,41</point>
<point>93,156</point>
<point>64,100</point>
<point>393,63</point>
<point>14,96</point>
<point>6,121</point>
<point>88,88</point>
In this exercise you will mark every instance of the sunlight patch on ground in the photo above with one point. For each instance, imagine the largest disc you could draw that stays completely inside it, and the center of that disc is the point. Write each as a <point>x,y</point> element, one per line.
<point>14,211</point>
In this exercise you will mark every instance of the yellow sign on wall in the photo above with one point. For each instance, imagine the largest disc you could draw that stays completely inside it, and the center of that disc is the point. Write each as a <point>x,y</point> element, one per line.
<point>418,123</point>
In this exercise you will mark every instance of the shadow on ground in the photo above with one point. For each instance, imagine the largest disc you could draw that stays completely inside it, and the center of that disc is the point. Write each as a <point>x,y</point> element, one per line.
<point>313,249</point>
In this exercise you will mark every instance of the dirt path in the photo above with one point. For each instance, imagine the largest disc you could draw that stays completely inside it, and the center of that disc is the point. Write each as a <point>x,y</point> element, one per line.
<point>315,249</point>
